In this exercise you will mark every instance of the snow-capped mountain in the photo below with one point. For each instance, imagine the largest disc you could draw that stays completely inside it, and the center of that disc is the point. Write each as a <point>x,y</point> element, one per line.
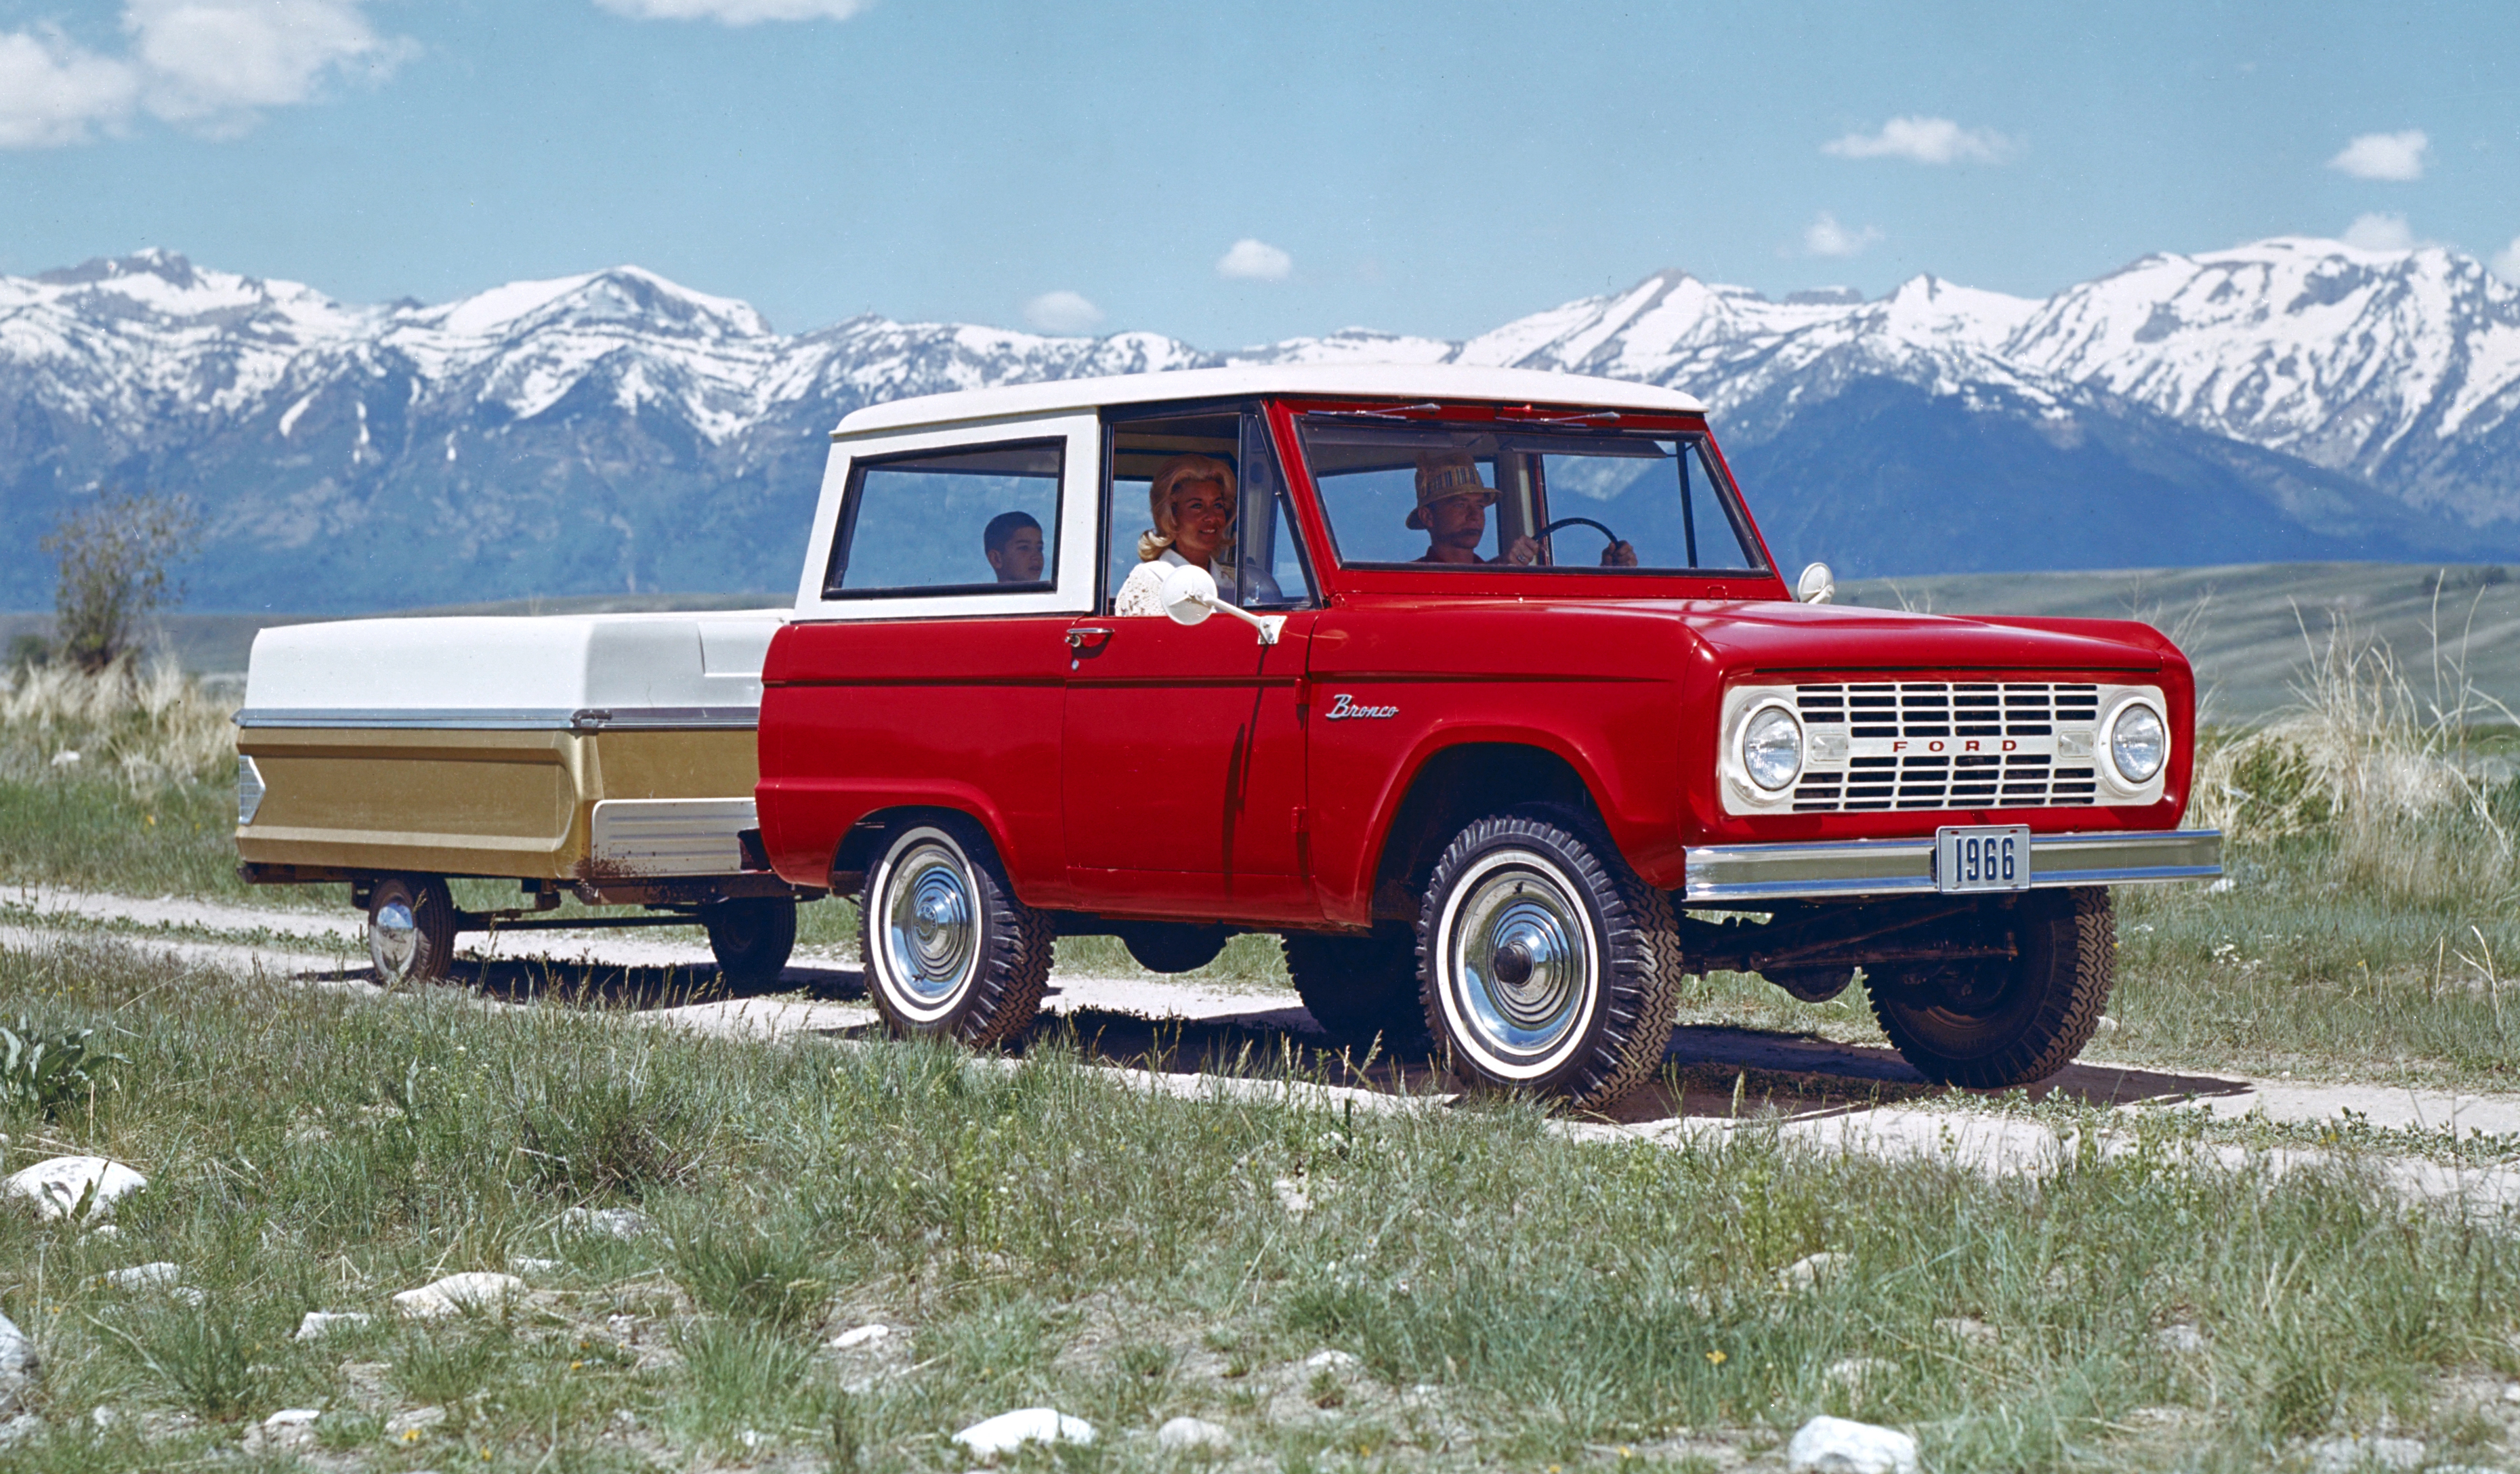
<point>2291,398</point>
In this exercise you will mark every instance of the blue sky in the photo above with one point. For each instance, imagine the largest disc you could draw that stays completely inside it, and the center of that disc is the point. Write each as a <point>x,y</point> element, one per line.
<point>1234,173</point>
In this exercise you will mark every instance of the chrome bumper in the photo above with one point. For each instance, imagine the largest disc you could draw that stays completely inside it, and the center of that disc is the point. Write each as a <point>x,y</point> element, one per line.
<point>1729,873</point>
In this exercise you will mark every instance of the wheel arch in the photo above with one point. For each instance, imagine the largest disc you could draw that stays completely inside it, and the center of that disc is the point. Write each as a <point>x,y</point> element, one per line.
<point>1448,787</point>
<point>861,843</point>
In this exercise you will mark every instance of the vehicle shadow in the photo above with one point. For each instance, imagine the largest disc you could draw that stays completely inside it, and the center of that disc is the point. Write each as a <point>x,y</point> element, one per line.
<point>1709,1071</point>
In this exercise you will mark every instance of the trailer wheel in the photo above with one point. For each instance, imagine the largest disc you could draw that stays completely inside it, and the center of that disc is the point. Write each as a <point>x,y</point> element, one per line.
<point>1360,988</point>
<point>949,953</point>
<point>1995,1024</point>
<point>751,937</point>
<point>1546,965</point>
<point>411,929</point>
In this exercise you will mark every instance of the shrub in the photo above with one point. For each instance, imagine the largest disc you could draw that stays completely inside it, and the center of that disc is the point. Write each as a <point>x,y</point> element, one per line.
<point>48,1071</point>
<point>116,555</point>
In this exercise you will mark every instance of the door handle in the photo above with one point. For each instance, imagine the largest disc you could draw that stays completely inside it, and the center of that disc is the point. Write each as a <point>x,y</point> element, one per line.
<point>1088,637</point>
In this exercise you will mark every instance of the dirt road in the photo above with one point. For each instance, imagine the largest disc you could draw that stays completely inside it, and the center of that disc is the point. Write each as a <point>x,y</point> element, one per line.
<point>1192,1040</point>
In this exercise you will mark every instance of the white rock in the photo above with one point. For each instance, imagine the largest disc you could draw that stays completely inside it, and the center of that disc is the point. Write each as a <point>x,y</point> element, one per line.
<point>104,1417</point>
<point>1808,1272</point>
<point>23,1426</point>
<point>2345,1456</point>
<point>2180,1339</point>
<point>1004,1434</point>
<point>65,758</point>
<point>1334,1361</point>
<point>1292,1198</point>
<point>19,1367</point>
<point>2511,1394</point>
<point>156,1276</point>
<point>1970,1329</point>
<point>56,1186</point>
<point>864,1335</point>
<point>102,1234</point>
<point>293,1418</point>
<point>409,1426</point>
<point>614,1222</point>
<point>526,1264</point>
<point>450,1296</point>
<point>1837,1446</point>
<point>315,1326</point>
<point>1194,1433</point>
<point>187,1295</point>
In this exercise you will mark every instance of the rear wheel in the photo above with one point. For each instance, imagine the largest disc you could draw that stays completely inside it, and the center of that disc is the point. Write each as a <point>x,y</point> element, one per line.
<point>1995,1023</point>
<point>411,929</point>
<point>1360,988</point>
<point>949,953</point>
<point>751,937</point>
<point>1546,965</point>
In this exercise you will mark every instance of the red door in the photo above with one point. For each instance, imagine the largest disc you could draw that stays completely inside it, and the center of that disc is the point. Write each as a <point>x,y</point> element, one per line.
<point>1183,768</point>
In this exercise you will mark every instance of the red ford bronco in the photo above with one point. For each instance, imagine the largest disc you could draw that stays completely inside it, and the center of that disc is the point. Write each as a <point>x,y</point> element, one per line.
<point>1479,687</point>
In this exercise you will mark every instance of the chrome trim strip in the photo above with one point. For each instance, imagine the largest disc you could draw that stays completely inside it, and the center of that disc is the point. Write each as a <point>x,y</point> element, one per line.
<point>1737,872</point>
<point>509,719</point>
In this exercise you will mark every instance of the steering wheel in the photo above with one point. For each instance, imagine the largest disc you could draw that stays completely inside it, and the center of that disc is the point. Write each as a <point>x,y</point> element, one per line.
<point>1570,521</point>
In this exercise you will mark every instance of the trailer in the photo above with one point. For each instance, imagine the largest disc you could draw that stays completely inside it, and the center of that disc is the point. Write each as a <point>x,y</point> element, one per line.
<point>610,757</point>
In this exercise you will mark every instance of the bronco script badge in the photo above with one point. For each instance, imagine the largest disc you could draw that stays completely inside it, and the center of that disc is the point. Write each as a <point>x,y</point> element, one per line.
<point>1344,708</point>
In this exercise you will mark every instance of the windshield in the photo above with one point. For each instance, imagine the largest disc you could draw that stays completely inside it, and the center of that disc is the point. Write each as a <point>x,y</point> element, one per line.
<point>1432,495</point>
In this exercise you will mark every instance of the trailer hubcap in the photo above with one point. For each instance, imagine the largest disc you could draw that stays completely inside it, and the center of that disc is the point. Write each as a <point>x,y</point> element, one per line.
<point>929,930</point>
<point>394,937</point>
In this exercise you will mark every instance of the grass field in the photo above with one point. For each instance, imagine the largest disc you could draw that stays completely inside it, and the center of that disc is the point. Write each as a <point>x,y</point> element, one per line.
<point>1038,1235</point>
<point>1038,1232</point>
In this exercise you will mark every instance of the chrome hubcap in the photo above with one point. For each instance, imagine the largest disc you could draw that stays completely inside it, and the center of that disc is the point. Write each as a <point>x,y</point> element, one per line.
<point>393,938</point>
<point>931,933</point>
<point>1523,960</point>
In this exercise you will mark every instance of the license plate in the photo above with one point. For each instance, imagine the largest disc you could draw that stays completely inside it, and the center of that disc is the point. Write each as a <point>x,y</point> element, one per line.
<point>1981,856</point>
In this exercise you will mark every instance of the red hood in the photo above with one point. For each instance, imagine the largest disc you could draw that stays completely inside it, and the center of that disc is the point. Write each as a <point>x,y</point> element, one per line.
<point>1795,637</point>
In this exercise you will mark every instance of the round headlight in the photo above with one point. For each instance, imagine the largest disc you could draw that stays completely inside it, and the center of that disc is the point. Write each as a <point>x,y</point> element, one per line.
<point>2139,743</point>
<point>1771,747</point>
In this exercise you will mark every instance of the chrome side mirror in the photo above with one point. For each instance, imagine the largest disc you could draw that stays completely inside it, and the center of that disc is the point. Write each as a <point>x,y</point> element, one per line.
<point>1816,585</point>
<point>1189,596</point>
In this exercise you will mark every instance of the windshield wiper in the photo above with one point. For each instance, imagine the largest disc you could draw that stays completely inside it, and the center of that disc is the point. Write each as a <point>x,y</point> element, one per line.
<point>1606,416</point>
<point>1396,412</point>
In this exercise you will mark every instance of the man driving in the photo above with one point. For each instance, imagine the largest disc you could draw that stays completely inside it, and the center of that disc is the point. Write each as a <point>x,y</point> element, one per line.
<point>1013,543</point>
<point>1453,511</point>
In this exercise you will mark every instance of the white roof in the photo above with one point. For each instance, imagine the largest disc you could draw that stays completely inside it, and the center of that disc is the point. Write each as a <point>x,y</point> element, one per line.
<point>1419,380</point>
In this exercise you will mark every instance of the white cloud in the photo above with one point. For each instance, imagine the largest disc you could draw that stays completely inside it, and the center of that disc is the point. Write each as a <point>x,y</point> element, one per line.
<point>2377,232</point>
<point>2507,262</point>
<point>1925,139</point>
<point>1824,237</point>
<point>54,93</point>
<point>735,11</point>
<point>1249,260</point>
<point>210,65</point>
<point>2398,157</point>
<point>1061,312</point>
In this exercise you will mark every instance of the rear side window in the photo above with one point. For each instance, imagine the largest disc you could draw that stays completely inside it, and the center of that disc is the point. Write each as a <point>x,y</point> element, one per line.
<point>973,519</point>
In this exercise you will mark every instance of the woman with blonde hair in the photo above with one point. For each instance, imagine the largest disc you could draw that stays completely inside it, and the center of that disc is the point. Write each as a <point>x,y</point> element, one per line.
<point>1192,500</point>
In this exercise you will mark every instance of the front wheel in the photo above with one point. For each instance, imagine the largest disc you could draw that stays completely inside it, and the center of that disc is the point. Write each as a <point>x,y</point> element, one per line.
<point>411,929</point>
<point>949,953</point>
<point>1995,1023</point>
<point>1546,964</point>
<point>751,937</point>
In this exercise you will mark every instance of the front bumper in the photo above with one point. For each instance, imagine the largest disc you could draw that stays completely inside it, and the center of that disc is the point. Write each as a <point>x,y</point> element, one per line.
<point>1736,874</point>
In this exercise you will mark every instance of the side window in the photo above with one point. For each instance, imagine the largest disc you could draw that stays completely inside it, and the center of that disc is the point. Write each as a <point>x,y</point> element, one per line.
<point>1269,548</point>
<point>1259,560</point>
<point>977,519</point>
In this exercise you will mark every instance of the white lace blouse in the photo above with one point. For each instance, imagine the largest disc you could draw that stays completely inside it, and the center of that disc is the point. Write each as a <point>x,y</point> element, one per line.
<point>1143,593</point>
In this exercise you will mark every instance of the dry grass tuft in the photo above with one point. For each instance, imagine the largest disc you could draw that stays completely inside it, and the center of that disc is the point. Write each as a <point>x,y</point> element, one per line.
<point>2396,778</point>
<point>147,730</point>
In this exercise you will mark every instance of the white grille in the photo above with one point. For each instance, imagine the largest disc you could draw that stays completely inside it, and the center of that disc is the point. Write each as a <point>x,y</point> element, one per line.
<point>1935,744</point>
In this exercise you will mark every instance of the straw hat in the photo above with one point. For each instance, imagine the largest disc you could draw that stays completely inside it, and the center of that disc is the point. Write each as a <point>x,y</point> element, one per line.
<point>1448,473</point>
